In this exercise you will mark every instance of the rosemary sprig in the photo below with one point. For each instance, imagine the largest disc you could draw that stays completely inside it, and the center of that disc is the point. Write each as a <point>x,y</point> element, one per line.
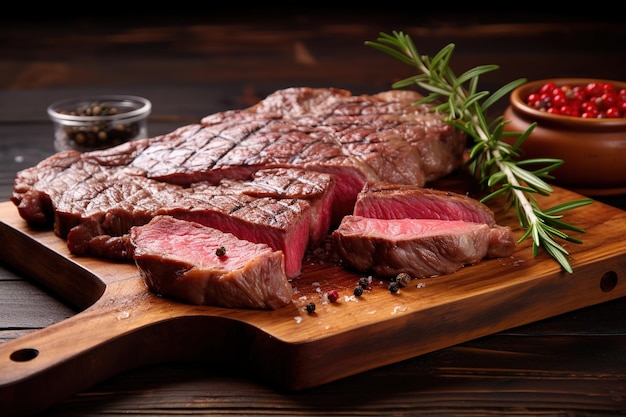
<point>491,159</point>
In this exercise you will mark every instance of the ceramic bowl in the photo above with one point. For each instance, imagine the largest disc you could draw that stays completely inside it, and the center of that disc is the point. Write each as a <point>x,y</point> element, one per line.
<point>593,149</point>
<point>91,123</point>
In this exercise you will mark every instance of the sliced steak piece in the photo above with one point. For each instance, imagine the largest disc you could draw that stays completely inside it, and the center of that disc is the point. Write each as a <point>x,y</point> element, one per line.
<point>181,259</point>
<point>400,201</point>
<point>421,248</point>
<point>318,189</point>
<point>282,224</point>
<point>93,207</point>
<point>101,210</point>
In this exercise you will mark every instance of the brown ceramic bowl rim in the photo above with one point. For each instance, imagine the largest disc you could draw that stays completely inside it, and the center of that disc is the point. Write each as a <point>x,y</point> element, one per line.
<point>520,94</point>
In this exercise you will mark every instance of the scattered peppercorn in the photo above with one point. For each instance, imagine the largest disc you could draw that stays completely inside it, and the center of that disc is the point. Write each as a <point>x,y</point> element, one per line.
<point>394,287</point>
<point>310,307</point>
<point>403,279</point>
<point>364,282</point>
<point>221,251</point>
<point>358,291</point>
<point>332,295</point>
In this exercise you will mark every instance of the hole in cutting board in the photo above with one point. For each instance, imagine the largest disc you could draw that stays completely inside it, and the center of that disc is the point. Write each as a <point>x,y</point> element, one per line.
<point>24,355</point>
<point>608,281</point>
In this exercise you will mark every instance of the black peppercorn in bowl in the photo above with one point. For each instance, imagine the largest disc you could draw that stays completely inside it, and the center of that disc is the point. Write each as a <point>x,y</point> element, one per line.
<point>99,122</point>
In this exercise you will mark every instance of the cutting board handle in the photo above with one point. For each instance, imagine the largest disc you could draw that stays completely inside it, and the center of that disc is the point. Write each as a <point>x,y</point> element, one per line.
<point>126,328</point>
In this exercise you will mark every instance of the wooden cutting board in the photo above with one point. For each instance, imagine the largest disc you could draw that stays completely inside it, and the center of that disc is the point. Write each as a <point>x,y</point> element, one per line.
<point>122,325</point>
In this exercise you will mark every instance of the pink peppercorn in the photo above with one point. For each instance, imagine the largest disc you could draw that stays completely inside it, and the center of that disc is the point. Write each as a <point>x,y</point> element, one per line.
<point>332,295</point>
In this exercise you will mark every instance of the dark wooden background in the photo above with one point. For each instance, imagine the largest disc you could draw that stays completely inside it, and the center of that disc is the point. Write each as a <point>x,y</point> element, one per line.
<point>193,64</point>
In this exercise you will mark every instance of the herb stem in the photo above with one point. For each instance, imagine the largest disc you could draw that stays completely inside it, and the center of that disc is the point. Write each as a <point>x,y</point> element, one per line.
<point>491,159</point>
<point>483,135</point>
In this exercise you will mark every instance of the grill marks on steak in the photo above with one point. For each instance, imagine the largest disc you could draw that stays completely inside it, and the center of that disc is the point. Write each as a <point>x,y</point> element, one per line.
<point>280,173</point>
<point>280,208</point>
<point>179,259</point>
<point>94,206</point>
<point>355,138</point>
<point>423,232</point>
<point>382,117</point>
<point>318,190</point>
<point>381,137</point>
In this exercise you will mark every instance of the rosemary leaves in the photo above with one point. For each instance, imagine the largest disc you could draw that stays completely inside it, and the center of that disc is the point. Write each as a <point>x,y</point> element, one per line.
<point>492,160</point>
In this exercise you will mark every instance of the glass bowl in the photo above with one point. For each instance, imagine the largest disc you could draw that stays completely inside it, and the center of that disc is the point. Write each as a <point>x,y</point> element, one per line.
<point>98,122</point>
<point>593,149</point>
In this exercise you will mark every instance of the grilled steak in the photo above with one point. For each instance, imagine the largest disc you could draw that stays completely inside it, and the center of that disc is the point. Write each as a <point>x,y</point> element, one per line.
<point>381,137</point>
<point>204,266</point>
<point>398,201</point>
<point>279,207</point>
<point>395,225</point>
<point>318,189</point>
<point>355,138</point>
<point>423,248</point>
<point>280,173</point>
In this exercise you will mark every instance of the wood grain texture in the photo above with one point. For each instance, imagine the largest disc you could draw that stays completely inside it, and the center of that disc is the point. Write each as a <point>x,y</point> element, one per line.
<point>573,364</point>
<point>288,347</point>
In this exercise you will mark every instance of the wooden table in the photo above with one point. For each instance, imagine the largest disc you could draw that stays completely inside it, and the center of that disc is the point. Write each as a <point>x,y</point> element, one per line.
<point>573,364</point>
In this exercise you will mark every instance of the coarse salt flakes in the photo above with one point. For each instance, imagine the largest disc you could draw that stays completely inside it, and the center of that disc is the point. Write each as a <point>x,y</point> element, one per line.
<point>298,319</point>
<point>398,309</point>
<point>121,315</point>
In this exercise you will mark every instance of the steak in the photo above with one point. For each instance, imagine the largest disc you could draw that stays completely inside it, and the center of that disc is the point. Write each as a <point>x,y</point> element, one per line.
<point>424,248</point>
<point>354,139</point>
<point>318,189</point>
<point>282,173</point>
<point>182,260</point>
<point>424,232</point>
<point>280,208</point>
<point>382,137</point>
<point>398,201</point>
